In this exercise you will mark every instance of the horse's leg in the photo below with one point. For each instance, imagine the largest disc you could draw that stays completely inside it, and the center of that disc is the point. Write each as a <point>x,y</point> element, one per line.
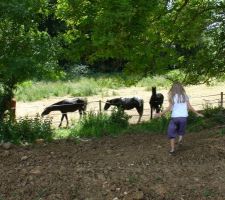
<point>161,108</point>
<point>157,109</point>
<point>61,120</point>
<point>139,119</point>
<point>151,112</point>
<point>67,122</point>
<point>80,112</point>
<point>140,112</point>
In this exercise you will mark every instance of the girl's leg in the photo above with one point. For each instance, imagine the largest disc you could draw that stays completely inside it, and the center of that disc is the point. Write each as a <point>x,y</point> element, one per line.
<point>172,132</point>
<point>180,139</point>
<point>181,129</point>
<point>172,145</point>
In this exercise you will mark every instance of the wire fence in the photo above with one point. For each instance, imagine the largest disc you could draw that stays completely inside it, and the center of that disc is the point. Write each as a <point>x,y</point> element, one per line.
<point>198,102</point>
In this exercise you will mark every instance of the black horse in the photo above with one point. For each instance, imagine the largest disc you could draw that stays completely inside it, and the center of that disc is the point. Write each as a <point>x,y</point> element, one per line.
<point>67,105</point>
<point>156,101</point>
<point>127,104</point>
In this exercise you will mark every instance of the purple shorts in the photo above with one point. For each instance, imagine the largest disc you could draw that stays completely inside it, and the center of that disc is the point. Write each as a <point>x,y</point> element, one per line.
<point>176,127</point>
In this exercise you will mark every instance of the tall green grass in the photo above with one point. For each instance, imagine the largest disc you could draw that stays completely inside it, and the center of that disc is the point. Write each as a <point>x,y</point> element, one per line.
<point>100,124</point>
<point>95,125</point>
<point>26,130</point>
<point>85,86</point>
<point>91,85</point>
<point>31,91</point>
<point>155,126</point>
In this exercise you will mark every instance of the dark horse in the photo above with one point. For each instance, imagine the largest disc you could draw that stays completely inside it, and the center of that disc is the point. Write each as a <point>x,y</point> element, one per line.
<point>127,104</point>
<point>156,101</point>
<point>67,105</point>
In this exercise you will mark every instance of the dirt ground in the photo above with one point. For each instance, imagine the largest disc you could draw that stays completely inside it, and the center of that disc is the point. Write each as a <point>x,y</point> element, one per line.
<point>127,167</point>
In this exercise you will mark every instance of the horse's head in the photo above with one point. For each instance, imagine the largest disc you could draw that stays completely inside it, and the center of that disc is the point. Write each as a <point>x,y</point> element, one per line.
<point>154,90</point>
<point>45,112</point>
<point>85,105</point>
<point>107,105</point>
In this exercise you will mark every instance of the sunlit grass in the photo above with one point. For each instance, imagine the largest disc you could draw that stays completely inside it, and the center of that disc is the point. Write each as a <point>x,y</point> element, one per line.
<point>85,86</point>
<point>89,86</point>
<point>98,125</point>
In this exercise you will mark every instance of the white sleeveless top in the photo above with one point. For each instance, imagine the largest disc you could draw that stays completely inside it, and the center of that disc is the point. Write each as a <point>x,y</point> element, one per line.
<point>179,109</point>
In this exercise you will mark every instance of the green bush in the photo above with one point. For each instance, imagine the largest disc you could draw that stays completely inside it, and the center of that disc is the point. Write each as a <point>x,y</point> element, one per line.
<point>26,130</point>
<point>195,123</point>
<point>100,124</point>
<point>156,126</point>
<point>216,114</point>
<point>212,117</point>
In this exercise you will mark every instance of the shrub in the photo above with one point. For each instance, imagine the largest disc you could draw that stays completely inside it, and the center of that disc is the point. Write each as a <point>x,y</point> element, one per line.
<point>100,124</point>
<point>216,114</point>
<point>195,123</point>
<point>26,130</point>
<point>156,125</point>
<point>77,70</point>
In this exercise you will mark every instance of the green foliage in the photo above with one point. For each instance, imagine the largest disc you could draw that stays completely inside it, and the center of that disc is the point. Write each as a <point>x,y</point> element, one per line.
<point>215,114</point>
<point>100,124</point>
<point>150,81</point>
<point>76,71</point>
<point>62,133</point>
<point>150,36</point>
<point>154,126</point>
<point>26,52</point>
<point>85,86</point>
<point>196,123</point>
<point>221,131</point>
<point>25,130</point>
<point>212,116</point>
<point>31,91</point>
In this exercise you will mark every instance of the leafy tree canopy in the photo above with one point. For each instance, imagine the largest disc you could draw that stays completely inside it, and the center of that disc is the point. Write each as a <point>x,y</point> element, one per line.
<point>150,36</point>
<point>25,51</point>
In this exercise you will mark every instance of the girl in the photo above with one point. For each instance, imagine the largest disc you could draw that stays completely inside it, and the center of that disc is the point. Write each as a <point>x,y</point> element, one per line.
<point>179,105</point>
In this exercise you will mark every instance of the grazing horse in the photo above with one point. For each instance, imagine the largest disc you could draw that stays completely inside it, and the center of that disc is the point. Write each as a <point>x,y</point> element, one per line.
<point>127,104</point>
<point>67,105</point>
<point>156,101</point>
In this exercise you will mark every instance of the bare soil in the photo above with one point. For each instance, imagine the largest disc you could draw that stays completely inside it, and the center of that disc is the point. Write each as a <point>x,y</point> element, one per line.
<point>127,167</point>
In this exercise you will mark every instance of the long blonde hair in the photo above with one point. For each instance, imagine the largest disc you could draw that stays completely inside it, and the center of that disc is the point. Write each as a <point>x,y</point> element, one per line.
<point>178,89</point>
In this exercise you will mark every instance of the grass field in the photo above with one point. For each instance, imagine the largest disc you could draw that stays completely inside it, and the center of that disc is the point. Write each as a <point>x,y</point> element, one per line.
<point>85,86</point>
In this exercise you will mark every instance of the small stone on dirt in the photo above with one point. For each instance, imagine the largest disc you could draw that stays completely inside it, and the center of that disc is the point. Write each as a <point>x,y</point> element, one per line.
<point>7,145</point>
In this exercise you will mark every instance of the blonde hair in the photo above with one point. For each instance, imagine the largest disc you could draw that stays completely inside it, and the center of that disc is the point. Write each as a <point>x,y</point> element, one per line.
<point>178,89</point>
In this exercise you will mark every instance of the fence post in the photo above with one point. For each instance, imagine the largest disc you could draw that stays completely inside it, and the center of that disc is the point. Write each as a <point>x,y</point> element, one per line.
<point>100,106</point>
<point>221,98</point>
<point>13,109</point>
